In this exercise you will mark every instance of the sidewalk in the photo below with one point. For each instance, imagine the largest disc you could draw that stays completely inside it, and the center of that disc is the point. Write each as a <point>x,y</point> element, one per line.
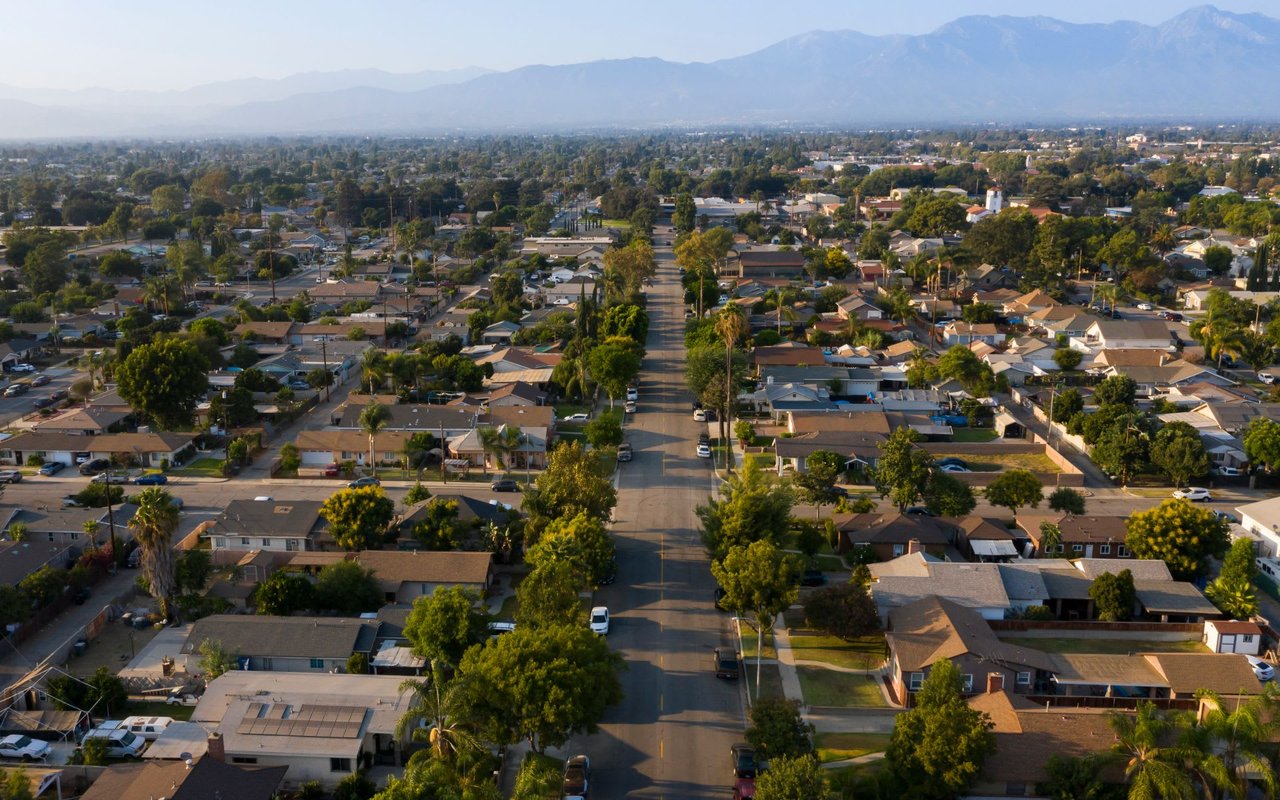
<point>787,665</point>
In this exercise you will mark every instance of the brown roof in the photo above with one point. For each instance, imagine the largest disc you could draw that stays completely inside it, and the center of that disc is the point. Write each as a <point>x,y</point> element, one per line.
<point>1027,735</point>
<point>1076,529</point>
<point>771,258</point>
<point>268,330</point>
<point>208,779</point>
<point>982,528</point>
<point>1235,626</point>
<point>776,355</point>
<point>929,630</point>
<point>393,567</point>
<point>853,421</point>
<point>1223,673</point>
<point>520,416</point>
<point>1132,357</point>
<point>106,443</point>
<point>890,528</point>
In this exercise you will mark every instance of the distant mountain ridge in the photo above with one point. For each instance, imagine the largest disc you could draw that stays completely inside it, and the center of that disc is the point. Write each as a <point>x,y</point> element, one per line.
<point>1202,64</point>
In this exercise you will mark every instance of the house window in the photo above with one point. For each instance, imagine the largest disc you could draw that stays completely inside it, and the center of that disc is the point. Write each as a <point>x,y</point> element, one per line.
<point>899,549</point>
<point>1246,638</point>
<point>1104,549</point>
<point>1062,548</point>
<point>339,765</point>
<point>317,663</point>
<point>1024,678</point>
<point>1122,551</point>
<point>968,682</point>
<point>1077,548</point>
<point>916,681</point>
<point>243,760</point>
<point>51,536</point>
<point>290,544</point>
<point>245,541</point>
<point>266,542</point>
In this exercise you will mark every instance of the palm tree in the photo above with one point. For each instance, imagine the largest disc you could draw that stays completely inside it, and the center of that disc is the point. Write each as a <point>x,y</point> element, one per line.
<point>1107,292</point>
<point>900,306</point>
<point>373,419</point>
<point>501,539</point>
<point>158,290</point>
<point>730,327</point>
<point>502,442</point>
<point>153,525</point>
<point>783,309</point>
<point>90,528</point>
<point>373,368</point>
<point>1149,768</point>
<point>436,714</point>
<point>1225,749</point>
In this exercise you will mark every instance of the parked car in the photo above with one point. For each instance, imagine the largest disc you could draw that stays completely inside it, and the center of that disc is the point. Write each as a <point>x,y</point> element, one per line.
<point>704,451</point>
<point>154,479</point>
<point>1227,472</point>
<point>629,407</point>
<point>579,417</point>
<point>178,697</point>
<point>331,470</point>
<point>1267,378</point>
<point>624,451</point>
<point>744,789</point>
<point>1145,307</point>
<point>94,465</point>
<point>504,485</point>
<point>10,476</point>
<point>299,386</point>
<point>360,483</point>
<point>954,420</point>
<point>24,747</point>
<point>15,389</point>
<point>699,415</point>
<point>1226,517</point>
<point>120,743</point>
<point>719,599</point>
<point>1195,494</point>
<point>959,462</point>
<point>813,577</point>
<point>917,511</point>
<point>633,393</point>
<point>577,777</point>
<point>726,664</point>
<point>148,728</point>
<point>110,477</point>
<point>953,468</point>
<point>40,380</point>
<point>22,367</point>
<point>743,758</point>
<point>42,402</point>
<point>600,620</point>
<point>498,627</point>
<point>52,468</point>
<point>1262,669</point>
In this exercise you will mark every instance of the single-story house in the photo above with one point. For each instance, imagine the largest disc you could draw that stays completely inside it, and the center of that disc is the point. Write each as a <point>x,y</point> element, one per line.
<point>406,576</point>
<point>149,449</point>
<point>268,525</point>
<point>285,644</point>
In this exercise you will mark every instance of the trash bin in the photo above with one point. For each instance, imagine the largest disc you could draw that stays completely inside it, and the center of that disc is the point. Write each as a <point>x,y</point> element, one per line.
<point>166,666</point>
<point>139,623</point>
<point>79,647</point>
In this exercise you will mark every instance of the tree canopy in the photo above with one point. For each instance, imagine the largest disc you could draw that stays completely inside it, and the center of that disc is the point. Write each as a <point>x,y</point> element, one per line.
<point>1182,535</point>
<point>164,381</point>
<point>358,518</point>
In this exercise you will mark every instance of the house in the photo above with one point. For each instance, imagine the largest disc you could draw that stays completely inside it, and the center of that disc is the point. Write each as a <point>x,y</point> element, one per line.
<point>856,307</point>
<point>1107,334</point>
<point>318,448</point>
<point>859,449</point>
<point>79,421</point>
<point>472,512</point>
<point>149,449</point>
<point>1233,636</point>
<point>267,332</point>
<point>908,578</point>
<point>570,291</point>
<point>891,534</point>
<point>530,450</point>
<point>959,332</point>
<point>66,526</point>
<point>268,525</point>
<point>1079,537</point>
<point>406,576</point>
<point>516,394</point>
<point>924,632</point>
<point>786,355</point>
<point>284,644</point>
<point>500,332</point>
<point>207,779</point>
<point>1262,519</point>
<point>770,263</point>
<point>18,350</point>
<point>412,418</point>
<point>1154,381</point>
<point>321,727</point>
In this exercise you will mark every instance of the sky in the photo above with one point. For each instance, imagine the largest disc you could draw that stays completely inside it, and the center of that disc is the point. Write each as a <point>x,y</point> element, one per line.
<point>153,45</point>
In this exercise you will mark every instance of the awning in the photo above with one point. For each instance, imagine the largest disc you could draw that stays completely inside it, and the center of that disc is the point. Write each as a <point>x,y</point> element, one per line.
<point>395,656</point>
<point>993,547</point>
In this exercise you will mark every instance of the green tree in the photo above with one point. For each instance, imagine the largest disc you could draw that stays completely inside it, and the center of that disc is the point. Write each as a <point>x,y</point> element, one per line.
<point>936,215</point>
<point>938,746</point>
<point>214,659</point>
<point>1179,453</point>
<point>580,541</point>
<point>1015,488</point>
<point>1232,591</point>
<point>978,313</point>
<point>902,471</point>
<point>817,484</point>
<point>290,457</point>
<point>1067,404</point>
<point>373,418</point>
<point>605,430</point>
<point>1077,779</point>
<point>541,685</point>
<point>753,505</point>
<point>1231,748</point>
<point>1117,390</point>
<point>1183,536</point>
<point>757,579</point>
<point>683,218</point>
<point>443,625</point>
<point>845,610</point>
<point>192,571</point>
<point>1262,442</point>
<point>153,526</point>
<point>14,605</point>
<point>1066,500</point>
<point>283,594</point>
<point>437,525</point>
<point>575,481</point>
<point>777,729</point>
<point>16,785</point>
<point>614,364</point>
<point>948,496</point>
<point>548,597</point>
<point>793,778</point>
<point>359,518</point>
<point>348,588</point>
<point>1113,596</point>
<point>437,713</point>
<point>1066,358</point>
<point>163,381</point>
<point>1121,449</point>
<point>1151,763</point>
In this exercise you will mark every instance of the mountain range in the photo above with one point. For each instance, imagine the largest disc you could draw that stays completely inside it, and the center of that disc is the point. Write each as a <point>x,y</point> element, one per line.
<point>1204,64</point>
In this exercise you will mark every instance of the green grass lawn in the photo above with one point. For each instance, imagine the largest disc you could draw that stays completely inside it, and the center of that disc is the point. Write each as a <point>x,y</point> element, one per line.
<point>770,680</point>
<point>973,435</point>
<point>200,468</point>
<point>568,409</point>
<point>994,462</point>
<point>841,746</point>
<point>749,642</point>
<point>158,709</point>
<point>1106,646</point>
<point>829,561</point>
<point>620,224</point>
<point>866,652</point>
<point>824,687</point>
<point>761,460</point>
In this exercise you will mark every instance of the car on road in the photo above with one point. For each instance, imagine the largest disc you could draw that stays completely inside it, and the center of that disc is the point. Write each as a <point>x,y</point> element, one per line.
<point>504,485</point>
<point>600,620</point>
<point>154,479</point>
<point>15,390</point>
<point>10,476</point>
<point>953,468</point>
<point>22,367</point>
<point>110,477</point>
<point>1262,669</point>
<point>704,450</point>
<point>624,451</point>
<point>744,789</point>
<point>360,483</point>
<point>633,393</point>
<point>94,465</point>
<point>743,758</point>
<point>580,417</point>
<point>52,468</point>
<point>726,663</point>
<point>813,577</point>
<point>699,415</point>
<point>24,747</point>
<point>40,380</point>
<point>577,777</point>
<point>1146,307</point>
<point>629,407</point>
<point>1196,494</point>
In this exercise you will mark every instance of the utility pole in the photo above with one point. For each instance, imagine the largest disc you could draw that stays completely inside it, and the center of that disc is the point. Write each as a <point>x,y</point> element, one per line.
<point>444,456</point>
<point>324,355</point>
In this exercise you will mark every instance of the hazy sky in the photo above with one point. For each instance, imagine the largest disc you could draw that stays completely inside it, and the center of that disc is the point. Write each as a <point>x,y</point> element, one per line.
<point>147,44</point>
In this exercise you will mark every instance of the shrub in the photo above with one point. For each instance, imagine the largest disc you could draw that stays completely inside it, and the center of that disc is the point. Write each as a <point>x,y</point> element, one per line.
<point>34,460</point>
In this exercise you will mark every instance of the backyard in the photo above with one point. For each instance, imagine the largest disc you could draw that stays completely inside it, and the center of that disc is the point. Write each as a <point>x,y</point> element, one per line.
<point>1103,646</point>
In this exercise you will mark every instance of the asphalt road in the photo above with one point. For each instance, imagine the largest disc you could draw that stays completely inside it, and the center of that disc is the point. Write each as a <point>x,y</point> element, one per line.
<point>670,737</point>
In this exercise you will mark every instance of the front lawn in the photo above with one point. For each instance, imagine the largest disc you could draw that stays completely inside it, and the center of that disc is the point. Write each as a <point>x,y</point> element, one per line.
<point>1105,646</point>
<point>995,462</point>
<point>749,642</point>
<point>824,687</point>
<point>972,435</point>
<point>770,681</point>
<point>842,746</point>
<point>867,652</point>
<point>200,468</point>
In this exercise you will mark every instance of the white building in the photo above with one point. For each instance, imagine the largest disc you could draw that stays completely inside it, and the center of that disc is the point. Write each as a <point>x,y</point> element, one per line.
<point>1263,520</point>
<point>995,200</point>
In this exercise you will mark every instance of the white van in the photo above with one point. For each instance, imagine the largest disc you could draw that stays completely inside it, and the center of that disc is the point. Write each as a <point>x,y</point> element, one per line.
<point>120,742</point>
<point>148,728</point>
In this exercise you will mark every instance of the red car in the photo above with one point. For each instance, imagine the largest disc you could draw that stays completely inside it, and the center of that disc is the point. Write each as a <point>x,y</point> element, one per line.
<point>744,789</point>
<point>331,471</point>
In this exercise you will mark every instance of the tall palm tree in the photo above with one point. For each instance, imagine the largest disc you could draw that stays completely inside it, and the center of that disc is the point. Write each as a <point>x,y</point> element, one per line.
<point>153,525</point>
<point>502,442</point>
<point>90,528</point>
<point>436,714</point>
<point>781,305</point>
<point>1150,769</point>
<point>1225,749</point>
<point>373,419</point>
<point>159,290</point>
<point>731,326</point>
<point>373,368</point>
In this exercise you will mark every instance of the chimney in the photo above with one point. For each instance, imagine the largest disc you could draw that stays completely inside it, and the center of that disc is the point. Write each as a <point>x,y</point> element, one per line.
<point>913,546</point>
<point>995,682</point>
<point>217,748</point>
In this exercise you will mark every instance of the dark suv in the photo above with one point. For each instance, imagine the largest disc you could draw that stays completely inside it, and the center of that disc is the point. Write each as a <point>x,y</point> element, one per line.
<point>726,664</point>
<point>504,485</point>
<point>94,465</point>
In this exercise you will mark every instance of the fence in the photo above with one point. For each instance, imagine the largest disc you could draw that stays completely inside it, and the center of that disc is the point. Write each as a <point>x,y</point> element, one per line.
<point>1079,625</point>
<point>1082,701</point>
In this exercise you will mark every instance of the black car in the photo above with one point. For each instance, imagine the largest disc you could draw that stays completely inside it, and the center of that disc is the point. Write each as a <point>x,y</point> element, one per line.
<point>727,665</point>
<point>577,777</point>
<point>813,577</point>
<point>744,761</point>
<point>94,465</point>
<point>504,485</point>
